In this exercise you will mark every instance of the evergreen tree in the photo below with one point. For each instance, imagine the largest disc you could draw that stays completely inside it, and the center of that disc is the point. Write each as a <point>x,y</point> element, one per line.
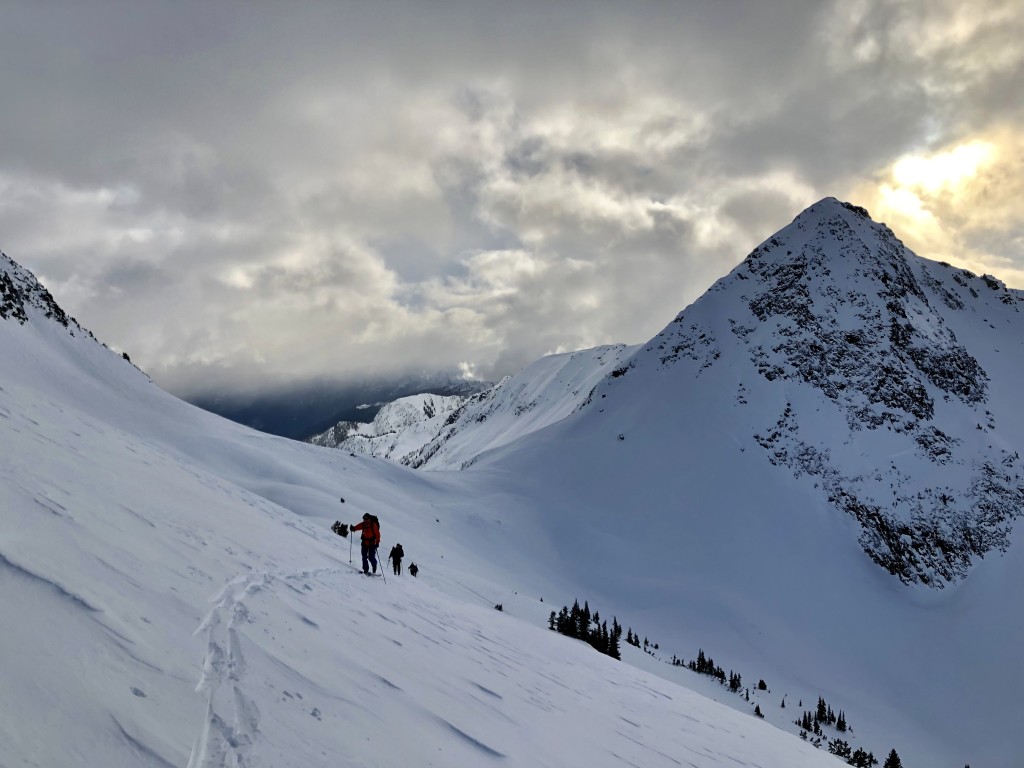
<point>614,649</point>
<point>893,761</point>
<point>821,713</point>
<point>576,621</point>
<point>841,722</point>
<point>757,710</point>
<point>551,621</point>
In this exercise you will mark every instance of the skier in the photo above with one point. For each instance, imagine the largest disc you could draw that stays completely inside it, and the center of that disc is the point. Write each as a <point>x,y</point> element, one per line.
<point>370,541</point>
<point>413,568</point>
<point>397,553</point>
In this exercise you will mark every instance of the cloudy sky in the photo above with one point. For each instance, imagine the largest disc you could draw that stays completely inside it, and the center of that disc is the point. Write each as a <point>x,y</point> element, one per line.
<point>241,194</point>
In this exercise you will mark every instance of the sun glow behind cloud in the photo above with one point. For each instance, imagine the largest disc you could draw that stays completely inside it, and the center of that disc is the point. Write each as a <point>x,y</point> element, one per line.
<point>938,201</point>
<point>943,170</point>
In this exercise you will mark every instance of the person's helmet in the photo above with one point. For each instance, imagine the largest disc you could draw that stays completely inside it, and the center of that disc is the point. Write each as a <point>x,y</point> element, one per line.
<point>366,515</point>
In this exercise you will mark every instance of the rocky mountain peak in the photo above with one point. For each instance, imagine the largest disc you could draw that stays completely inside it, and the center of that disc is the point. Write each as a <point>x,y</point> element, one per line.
<point>834,321</point>
<point>844,310</point>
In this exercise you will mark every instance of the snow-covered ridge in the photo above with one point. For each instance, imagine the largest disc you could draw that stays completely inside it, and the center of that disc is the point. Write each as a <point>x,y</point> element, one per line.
<point>431,432</point>
<point>399,427</point>
<point>21,293</point>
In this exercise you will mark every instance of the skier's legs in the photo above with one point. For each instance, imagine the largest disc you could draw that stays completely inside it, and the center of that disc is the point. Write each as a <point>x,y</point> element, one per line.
<point>365,550</point>
<point>372,552</point>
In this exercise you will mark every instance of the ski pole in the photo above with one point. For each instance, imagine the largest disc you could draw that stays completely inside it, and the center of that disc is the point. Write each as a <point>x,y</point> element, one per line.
<point>376,556</point>
<point>342,500</point>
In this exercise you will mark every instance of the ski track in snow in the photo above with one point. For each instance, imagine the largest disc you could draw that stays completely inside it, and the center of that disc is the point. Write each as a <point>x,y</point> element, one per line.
<point>231,727</point>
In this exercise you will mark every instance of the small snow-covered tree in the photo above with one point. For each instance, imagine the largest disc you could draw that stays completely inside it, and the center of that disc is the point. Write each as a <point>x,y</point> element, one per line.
<point>893,760</point>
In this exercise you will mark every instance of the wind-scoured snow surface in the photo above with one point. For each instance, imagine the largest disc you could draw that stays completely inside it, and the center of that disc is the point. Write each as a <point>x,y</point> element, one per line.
<point>172,596</point>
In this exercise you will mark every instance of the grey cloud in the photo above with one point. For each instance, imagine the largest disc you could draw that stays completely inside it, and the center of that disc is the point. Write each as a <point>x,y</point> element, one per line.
<point>756,212</point>
<point>237,192</point>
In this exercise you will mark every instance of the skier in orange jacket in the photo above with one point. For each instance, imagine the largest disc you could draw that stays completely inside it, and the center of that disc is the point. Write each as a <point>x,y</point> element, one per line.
<point>370,541</point>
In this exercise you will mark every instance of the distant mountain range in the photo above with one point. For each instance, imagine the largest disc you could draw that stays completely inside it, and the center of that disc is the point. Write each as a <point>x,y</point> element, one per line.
<point>303,409</point>
<point>432,432</point>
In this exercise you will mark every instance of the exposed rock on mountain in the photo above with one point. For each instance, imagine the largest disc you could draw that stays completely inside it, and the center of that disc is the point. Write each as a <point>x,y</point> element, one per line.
<point>19,291</point>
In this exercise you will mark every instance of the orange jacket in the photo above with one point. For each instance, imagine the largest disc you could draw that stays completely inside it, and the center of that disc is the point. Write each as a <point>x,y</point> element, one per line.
<point>370,529</point>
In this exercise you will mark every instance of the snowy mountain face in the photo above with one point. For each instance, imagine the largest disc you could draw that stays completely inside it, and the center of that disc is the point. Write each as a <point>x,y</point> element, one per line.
<point>430,432</point>
<point>813,473</point>
<point>870,360</point>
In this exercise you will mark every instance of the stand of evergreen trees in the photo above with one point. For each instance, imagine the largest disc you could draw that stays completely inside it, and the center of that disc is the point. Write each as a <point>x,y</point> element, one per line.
<point>579,623</point>
<point>705,665</point>
<point>823,715</point>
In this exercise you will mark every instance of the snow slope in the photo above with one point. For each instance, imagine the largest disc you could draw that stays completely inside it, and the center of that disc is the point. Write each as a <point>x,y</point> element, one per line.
<point>172,596</point>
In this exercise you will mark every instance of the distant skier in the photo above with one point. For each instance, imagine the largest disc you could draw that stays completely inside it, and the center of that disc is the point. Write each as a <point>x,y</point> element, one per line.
<point>370,541</point>
<point>413,568</point>
<point>397,553</point>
